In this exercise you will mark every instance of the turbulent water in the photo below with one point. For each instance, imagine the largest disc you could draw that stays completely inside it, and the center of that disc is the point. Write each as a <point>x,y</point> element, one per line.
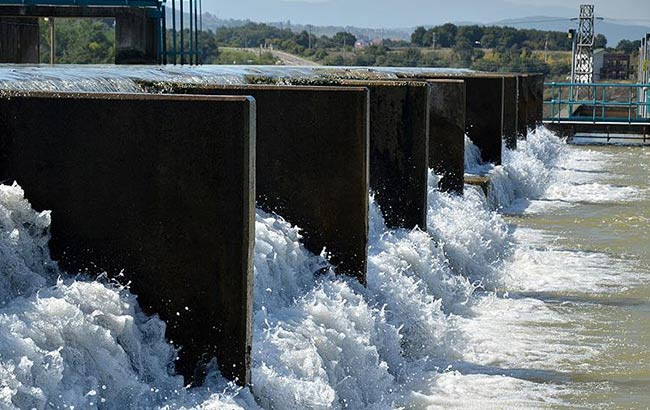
<point>488,309</point>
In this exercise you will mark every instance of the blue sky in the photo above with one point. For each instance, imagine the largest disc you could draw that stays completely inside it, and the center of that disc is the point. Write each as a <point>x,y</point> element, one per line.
<point>409,13</point>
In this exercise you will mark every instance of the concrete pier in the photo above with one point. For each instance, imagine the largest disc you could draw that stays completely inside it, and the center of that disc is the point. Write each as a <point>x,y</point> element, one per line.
<point>399,144</point>
<point>168,202</point>
<point>312,163</point>
<point>602,130</point>
<point>484,115</point>
<point>536,100</point>
<point>484,109</point>
<point>399,149</point>
<point>510,110</point>
<point>136,39</point>
<point>447,133</point>
<point>523,105</point>
<point>19,40</point>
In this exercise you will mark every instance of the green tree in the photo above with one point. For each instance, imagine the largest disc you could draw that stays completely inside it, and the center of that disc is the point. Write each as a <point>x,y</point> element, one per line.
<point>628,46</point>
<point>463,52</point>
<point>446,35</point>
<point>417,38</point>
<point>80,41</point>
<point>344,39</point>
<point>473,34</point>
<point>600,41</point>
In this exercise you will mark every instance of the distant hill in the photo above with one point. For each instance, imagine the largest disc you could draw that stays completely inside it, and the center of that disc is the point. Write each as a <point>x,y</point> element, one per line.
<point>359,32</point>
<point>212,22</point>
<point>615,31</point>
<point>612,29</point>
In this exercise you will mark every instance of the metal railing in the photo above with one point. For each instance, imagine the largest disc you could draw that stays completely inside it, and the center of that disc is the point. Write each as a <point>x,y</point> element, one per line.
<point>597,103</point>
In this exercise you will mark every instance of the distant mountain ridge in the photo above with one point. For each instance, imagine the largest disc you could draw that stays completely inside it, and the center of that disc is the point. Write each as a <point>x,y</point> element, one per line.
<point>612,29</point>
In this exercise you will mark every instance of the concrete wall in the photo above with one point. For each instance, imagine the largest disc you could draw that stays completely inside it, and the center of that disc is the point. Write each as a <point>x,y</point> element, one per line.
<point>484,108</point>
<point>170,202</point>
<point>312,164</point>
<point>483,122</point>
<point>510,108</point>
<point>447,133</point>
<point>523,104</point>
<point>399,121</point>
<point>536,99</point>
<point>19,40</point>
<point>399,150</point>
<point>136,39</point>
<point>570,130</point>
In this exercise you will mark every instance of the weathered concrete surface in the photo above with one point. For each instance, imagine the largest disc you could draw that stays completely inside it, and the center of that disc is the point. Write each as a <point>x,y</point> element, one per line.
<point>399,150</point>
<point>170,202</point>
<point>480,181</point>
<point>484,114</point>
<point>19,40</point>
<point>447,133</point>
<point>536,100</point>
<point>136,39</point>
<point>312,163</point>
<point>510,108</point>
<point>484,108</point>
<point>522,105</point>
<point>399,121</point>
<point>586,128</point>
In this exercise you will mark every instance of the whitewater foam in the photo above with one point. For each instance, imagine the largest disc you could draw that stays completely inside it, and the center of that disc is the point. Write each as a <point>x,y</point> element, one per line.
<point>439,324</point>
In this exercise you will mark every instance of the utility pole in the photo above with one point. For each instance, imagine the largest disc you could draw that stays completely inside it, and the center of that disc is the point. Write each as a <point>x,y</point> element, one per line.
<point>174,31</point>
<point>644,74</point>
<point>52,41</point>
<point>191,42</point>
<point>639,74</point>
<point>572,37</point>
<point>196,32</point>
<point>182,35</point>
<point>545,48</point>
<point>583,54</point>
<point>309,27</point>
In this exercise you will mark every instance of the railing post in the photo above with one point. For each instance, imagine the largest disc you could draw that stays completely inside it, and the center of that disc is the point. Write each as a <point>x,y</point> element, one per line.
<point>629,106</point>
<point>593,118</point>
<point>571,100</point>
<point>603,102</point>
<point>559,104</point>
<point>552,102</point>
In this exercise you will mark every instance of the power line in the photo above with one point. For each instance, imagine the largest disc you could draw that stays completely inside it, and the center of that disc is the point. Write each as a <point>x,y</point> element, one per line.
<point>531,22</point>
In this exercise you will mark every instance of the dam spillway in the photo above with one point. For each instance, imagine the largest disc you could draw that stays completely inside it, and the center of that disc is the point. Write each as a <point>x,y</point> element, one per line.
<point>372,337</point>
<point>318,146</point>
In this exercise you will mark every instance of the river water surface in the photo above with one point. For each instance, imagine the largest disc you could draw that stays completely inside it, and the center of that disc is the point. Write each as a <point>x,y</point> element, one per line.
<point>594,254</point>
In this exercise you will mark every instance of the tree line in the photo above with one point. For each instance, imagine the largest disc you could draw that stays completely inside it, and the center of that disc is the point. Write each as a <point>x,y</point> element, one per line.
<point>495,37</point>
<point>487,48</point>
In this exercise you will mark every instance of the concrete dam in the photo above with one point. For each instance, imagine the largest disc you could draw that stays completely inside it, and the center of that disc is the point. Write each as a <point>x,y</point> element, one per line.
<point>275,237</point>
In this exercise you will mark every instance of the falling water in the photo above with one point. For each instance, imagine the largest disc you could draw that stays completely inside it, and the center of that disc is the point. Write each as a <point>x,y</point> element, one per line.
<point>536,296</point>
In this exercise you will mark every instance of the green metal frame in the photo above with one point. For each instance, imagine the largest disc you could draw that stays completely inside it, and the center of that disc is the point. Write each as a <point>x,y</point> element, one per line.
<point>105,3</point>
<point>638,110</point>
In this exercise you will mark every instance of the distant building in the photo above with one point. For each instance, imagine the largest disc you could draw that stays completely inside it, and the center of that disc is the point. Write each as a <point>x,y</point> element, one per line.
<point>611,66</point>
<point>360,44</point>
